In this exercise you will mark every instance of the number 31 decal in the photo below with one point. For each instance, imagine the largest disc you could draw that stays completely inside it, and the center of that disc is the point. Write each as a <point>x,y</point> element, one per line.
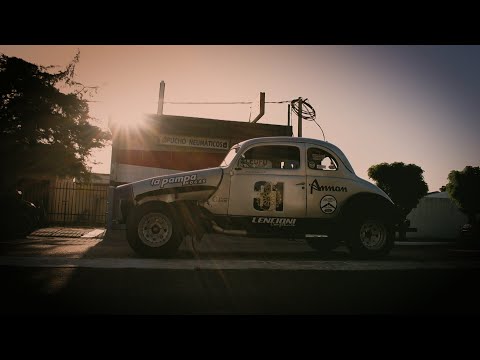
<point>269,196</point>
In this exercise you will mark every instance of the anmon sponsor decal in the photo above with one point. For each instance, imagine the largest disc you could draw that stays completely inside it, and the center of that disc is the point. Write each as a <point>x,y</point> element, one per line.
<point>330,188</point>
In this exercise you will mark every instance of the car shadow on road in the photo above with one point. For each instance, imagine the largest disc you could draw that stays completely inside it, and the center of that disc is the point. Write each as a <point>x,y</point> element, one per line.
<point>222,247</point>
<point>115,245</point>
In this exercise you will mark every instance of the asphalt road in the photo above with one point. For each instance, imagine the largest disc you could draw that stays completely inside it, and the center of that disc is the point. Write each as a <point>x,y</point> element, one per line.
<point>158,292</point>
<point>235,276</point>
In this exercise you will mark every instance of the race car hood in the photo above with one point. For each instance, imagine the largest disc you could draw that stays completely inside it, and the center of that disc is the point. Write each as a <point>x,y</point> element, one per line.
<point>203,181</point>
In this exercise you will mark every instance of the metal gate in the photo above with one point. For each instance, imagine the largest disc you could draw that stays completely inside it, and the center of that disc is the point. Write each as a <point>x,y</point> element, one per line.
<point>66,202</point>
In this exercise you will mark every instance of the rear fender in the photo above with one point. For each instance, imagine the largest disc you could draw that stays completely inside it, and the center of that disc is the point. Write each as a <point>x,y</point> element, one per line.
<point>187,193</point>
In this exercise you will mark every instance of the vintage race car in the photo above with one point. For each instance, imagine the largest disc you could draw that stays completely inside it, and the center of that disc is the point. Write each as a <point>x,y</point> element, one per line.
<point>267,187</point>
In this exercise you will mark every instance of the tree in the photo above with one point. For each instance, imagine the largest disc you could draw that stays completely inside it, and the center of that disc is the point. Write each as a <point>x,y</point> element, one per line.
<point>45,126</point>
<point>403,183</point>
<point>464,188</point>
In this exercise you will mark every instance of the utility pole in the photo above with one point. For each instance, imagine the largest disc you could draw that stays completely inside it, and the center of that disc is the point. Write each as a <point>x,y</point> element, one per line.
<point>161,95</point>
<point>261,107</point>
<point>288,114</point>
<point>300,105</point>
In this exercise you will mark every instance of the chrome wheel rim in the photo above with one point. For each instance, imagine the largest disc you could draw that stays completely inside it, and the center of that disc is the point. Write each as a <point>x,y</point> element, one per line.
<point>373,235</point>
<point>155,229</point>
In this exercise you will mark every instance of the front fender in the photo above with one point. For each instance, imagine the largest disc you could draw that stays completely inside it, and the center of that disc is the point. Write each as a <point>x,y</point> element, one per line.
<point>367,203</point>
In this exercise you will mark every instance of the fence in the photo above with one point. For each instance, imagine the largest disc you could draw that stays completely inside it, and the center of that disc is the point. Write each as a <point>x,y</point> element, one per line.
<point>67,202</point>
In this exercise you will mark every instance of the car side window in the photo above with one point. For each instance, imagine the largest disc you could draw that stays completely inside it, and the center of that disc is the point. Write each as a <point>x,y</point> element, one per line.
<point>271,157</point>
<point>319,159</point>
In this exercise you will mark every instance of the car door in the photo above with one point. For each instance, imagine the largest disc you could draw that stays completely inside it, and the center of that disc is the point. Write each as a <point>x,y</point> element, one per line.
<point>268,182</point>
<point>327,184</point>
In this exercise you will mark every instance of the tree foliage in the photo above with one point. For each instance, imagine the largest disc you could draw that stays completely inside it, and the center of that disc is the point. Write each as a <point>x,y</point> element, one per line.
<point>45,126</point>
<point>464,188</point>
<point>403,183</point>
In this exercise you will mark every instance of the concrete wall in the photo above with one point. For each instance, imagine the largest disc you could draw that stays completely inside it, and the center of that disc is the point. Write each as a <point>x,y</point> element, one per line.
<point>436,217</point>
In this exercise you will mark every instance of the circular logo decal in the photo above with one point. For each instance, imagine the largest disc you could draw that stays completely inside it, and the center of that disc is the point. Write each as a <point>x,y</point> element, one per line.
<point>328,204</point>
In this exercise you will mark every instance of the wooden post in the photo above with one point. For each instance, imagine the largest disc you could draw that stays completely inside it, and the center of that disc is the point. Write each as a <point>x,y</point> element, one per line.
<point>161,95</point>
<point>300,105</point>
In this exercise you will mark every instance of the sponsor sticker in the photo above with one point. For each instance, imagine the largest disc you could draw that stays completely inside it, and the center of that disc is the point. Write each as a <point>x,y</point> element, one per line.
<point>318,157</point>
<point>182,180</point>
<point>274,221</point>
<point>328,204</point>
<point>256,163</point>
<point>317,187</point>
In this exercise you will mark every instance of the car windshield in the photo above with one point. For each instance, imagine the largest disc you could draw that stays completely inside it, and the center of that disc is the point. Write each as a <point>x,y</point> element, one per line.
<point>229,157</point>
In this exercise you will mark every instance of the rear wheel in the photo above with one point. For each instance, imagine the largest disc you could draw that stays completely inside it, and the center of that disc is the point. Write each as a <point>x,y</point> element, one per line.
<point>370,237</point>
<point>152,231</point>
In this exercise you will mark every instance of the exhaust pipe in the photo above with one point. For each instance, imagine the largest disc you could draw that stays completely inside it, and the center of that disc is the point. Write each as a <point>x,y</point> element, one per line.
<point>220,230</point>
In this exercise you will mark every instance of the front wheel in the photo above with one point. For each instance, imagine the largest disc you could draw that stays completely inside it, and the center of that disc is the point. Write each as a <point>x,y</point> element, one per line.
<point>370,237</point>
<point>153,232</point>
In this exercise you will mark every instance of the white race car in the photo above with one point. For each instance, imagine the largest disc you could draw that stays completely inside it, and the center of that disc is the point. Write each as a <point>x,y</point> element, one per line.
<point>270,187</point>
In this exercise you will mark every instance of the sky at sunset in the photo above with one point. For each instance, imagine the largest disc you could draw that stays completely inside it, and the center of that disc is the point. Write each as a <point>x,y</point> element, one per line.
<point>415,104</point>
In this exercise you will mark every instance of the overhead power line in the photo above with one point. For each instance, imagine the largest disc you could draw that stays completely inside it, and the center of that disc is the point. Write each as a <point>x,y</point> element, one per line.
<point>207,103</point>
<point>211,103</point>
<point>308,112</point>
<point>223,103</point>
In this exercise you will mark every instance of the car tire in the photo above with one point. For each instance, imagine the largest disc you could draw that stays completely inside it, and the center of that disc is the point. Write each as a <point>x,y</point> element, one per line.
<point>152,231</point>
<point>370,237</point>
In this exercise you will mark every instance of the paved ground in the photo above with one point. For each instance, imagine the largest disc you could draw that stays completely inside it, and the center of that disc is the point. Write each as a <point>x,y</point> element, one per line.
<point>226,251</point>
<point>69,232</point>
<point>87,274</point>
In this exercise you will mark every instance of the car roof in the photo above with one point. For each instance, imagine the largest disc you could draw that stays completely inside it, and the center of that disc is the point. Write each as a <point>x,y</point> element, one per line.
<point>296,140</point>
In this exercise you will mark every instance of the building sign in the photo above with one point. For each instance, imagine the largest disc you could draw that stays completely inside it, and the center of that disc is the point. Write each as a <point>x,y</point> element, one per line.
<point>199,142</point>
